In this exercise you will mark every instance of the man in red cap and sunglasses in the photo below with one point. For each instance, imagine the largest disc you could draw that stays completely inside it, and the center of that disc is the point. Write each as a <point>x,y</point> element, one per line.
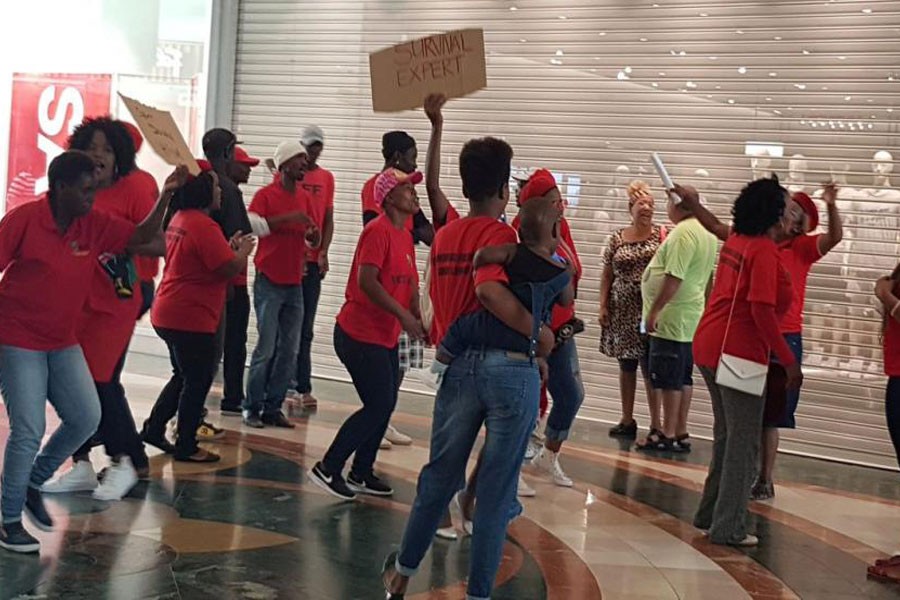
<point>800,249</point>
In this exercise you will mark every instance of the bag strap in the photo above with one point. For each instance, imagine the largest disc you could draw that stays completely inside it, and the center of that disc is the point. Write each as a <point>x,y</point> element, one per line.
<point>737,285</point>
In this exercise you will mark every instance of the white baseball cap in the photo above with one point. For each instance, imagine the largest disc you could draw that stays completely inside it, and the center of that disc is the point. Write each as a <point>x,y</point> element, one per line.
<point>312,135</point>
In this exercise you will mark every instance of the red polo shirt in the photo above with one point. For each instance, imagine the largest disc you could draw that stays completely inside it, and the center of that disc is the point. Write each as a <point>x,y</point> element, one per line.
<point>191,296</point>
<point>47,275</point>
<point>391,250</point>
<point>281,256</point>
<point>452,282</point>
<point>319,184</point>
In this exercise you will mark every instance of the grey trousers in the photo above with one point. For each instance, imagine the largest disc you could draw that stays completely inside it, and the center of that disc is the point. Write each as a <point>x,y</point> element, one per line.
<point>736,433</point>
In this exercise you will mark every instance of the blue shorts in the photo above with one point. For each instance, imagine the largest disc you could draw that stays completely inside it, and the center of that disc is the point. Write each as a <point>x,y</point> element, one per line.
<point>671,364</point>
<point>781,403</point>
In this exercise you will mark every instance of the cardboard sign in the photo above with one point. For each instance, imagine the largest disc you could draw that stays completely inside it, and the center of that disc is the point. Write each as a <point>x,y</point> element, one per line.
<point>162,134</point>
<point>449,63</point>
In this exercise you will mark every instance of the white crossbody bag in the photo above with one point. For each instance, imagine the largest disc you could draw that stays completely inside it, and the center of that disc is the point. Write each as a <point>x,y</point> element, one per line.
<point>738,373</point>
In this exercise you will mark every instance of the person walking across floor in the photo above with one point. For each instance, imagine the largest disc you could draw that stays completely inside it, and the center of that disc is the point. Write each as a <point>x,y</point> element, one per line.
<point>741,323</point>
<point>382,297</point>
<point>188,308</point>
<point>673,292</point>
<point>49,249</point>
<point>277,289</point>
<point>800,249</point>
<point>628,252</point>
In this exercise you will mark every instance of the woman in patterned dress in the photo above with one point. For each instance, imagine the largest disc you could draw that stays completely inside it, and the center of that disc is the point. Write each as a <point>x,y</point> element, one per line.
<point>627,254</point>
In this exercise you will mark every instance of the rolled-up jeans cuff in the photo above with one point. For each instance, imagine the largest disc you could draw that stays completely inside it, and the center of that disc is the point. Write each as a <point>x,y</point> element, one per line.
<point>555,435</point>
<point>404,571</point>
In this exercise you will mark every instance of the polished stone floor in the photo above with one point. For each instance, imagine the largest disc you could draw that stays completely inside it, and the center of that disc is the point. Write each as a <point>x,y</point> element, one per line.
<point>253,527</point>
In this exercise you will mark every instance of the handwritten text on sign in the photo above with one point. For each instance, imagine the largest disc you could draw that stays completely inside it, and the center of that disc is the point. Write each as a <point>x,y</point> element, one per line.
<point>449,63</point>
<point>162,134</point>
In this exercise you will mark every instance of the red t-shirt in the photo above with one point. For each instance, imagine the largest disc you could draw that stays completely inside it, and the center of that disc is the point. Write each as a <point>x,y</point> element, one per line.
<point>281,256</point>
<point>47,275</point>
<point>561,315</point>
<point>369,204</point>
<point>798,256</point>
<point>391,250</point>
<point>764,280</point>
<point>452,285</point>
<point>319,184</point>
<point>144,187</point>
<point>191,296</point>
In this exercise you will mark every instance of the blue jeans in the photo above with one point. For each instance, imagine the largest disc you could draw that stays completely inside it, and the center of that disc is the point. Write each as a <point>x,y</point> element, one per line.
<point>312,289</point>
<point>567,389</point>
<point>28,378</point>
<point>279,317</point>
<point>500,391</point>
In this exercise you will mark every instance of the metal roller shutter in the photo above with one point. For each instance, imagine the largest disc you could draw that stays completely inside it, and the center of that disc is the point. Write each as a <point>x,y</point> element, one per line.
<point>588,88</point>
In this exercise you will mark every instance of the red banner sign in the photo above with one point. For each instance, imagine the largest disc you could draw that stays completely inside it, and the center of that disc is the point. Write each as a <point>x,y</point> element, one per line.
<point>45,110</point>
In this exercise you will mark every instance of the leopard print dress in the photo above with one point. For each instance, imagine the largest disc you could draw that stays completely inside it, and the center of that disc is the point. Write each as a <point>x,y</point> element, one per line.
<point>623,339</point>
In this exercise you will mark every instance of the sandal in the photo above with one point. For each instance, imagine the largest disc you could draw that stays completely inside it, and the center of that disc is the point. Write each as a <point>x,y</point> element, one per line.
<point>200,456</point>
<point>625,430</point>
<point>653,441</point>
<point>390,564</point>
<point>683,441</point>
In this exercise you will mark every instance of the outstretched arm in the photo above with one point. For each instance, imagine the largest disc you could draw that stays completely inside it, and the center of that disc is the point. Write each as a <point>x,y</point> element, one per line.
<point>690,200</point>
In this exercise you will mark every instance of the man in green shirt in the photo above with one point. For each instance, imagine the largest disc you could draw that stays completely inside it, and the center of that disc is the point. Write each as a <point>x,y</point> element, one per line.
<point>674,289</point>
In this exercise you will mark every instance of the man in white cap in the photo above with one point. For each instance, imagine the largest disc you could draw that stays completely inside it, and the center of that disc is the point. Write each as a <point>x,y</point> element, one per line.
<point>319,184</point>
<point>277,289</point>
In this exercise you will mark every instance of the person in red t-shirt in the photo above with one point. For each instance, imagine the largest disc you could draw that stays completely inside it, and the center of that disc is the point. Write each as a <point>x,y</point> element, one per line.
<point>752,292</point>
<point>382,298</point>
<point>277,290</point>
<point>800,249</point>
<point>49,250</point>
<point>113,307</point>
<point>188,310</point>
<point>480,387</point>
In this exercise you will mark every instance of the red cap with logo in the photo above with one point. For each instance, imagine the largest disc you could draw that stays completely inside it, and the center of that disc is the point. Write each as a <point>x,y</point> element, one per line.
<point>539,184</point>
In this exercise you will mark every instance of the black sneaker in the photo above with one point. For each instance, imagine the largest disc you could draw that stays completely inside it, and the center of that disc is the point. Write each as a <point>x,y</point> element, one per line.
<point>157,441</point>
<point>233,410</point>
<point>252,420</point>
<point>370,485</point>
<point>14,538</point>
<point>333,484</point>
<point>36,511</point>
<point>277,419</point>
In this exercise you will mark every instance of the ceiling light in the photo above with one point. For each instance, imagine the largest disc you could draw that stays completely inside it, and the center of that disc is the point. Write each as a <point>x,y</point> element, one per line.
<point>656,6</point>
<point>621,76</point>
<point>813,124</point>
<point>730,101</point>
<point>513,8</point>
<point>713,58</point>
<point>718,87</point>
<point>682,90</point>
<point>704,14</point>
<point>739,32</point>
<point>555,61</point>
<point>559,53</point>
<point>871,126</point>
<point>777,38</point>
<point>682,53</point>
<point>824,87</point>
<point>869,100</point>
<point>742,70</point>
<point>691,85</point>
<point>773,74</point>
<point>643,39</point>
<point>627,70</point>
<point>777,112</point>
<point>891,76</point>
<point>800,86</point>
<point>790,108</point>
<point>563,17</point>
<point>852,127</point>
<point>805,51</point>
<point>868,11</point>
<point>848,98</point>
<point>654,84</point>
<point>890,110</point>
<point>662,73</point>
<point>593,70</point>
<point>803,121</point>
<point>523,40</point>
<point>673,52</point>
<point>842,58</point>
<point>873,117</point>
<point>860,124</point>
<point>768,99</point>
<point>602,33</point>
<point>831,124</point>
<point>821,123</point>
<point>709,95</point>
<point>841,124</point>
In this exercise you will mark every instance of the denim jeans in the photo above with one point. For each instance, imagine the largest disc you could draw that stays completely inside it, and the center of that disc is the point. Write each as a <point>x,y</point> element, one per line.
<point>892,412</point>
<point>565,385</point>
<point>237,319</point>
<point>375,371</point>
<point>312,289</point>
<point>497,390</point>
<point>279,318</point>
<point>193,357</point>
<point>27,380</point>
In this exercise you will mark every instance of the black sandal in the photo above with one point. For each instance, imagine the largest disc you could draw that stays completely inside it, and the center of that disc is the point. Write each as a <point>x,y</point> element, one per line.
<point>683,442</point>
<point>652,441</point>
<point>625,431</point>
<point>390,563</point>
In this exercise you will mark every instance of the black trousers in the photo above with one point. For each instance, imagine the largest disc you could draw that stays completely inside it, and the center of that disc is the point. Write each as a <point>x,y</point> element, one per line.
<point>117,430</point>
<point>375,371</point>
<point>892,411</point>
<point>193,357</point>
<point>237,319</point>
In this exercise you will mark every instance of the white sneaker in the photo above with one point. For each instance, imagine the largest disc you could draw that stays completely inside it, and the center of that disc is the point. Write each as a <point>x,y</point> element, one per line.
<point>447,533</point>
<point>397,438</point>
<point>80,478</point>
<point>749,541</point>
<point>532,449</point>
<point>467,525</point>
<point>548,462</point>
<point>525,490</point>
<point>385,444</point>
<point>120,479</point>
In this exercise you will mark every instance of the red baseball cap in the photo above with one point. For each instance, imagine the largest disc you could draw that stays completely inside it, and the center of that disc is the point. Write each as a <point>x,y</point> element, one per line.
<point>241,156</point>
<point>391,178</point>
<point>135,134</point>
<point>809,207</point>
<point>539,184</point>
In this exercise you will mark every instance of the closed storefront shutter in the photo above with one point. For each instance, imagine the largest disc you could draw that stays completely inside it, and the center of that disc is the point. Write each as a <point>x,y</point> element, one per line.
<point>725,91</point>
